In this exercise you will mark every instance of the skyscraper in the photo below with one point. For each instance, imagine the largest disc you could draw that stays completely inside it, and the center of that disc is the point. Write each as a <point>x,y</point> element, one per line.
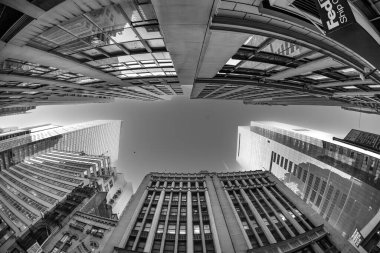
<point>256,51</point>
<point>47,171</point>
<point>206,212</point>
<point>100,137</point>
<point>338,179</point>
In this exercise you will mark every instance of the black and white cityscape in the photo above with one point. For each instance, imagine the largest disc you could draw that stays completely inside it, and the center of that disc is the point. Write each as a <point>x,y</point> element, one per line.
<point>178,126</point>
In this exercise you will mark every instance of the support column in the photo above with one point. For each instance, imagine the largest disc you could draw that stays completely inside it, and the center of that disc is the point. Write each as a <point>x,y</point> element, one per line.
<point>212,224</point>
<point>156,217</point>
<point>166,224</point>
<point>189,225</point>
<point>258,218</point>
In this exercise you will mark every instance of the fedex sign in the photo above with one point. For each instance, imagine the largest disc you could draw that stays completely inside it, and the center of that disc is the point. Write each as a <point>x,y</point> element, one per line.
<point>335,14</point>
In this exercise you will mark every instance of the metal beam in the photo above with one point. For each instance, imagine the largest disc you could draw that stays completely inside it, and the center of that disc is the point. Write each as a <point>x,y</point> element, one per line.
<point>25,7</point>
<point>30,54</point>
<point>357,93</point>
<point>340,84</point>
<point>265,84</point>
<point>307,67</point>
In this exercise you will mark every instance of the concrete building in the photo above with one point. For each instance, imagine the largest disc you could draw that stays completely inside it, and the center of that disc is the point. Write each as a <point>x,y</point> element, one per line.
<point>258,51</point>
<point>338,179</point>
<point>248,211</point>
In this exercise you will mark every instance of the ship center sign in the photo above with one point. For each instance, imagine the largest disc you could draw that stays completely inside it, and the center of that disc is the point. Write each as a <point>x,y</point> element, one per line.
<point>335,14</point>
<point>340,25</point>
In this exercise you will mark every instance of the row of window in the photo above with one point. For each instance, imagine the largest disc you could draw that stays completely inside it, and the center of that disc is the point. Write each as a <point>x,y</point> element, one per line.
<point>30,190</point>
<point>174,184</point>
<point>44,179</point>
<point>63,178</point>
<point>24,197</point>
<point>38,185</point>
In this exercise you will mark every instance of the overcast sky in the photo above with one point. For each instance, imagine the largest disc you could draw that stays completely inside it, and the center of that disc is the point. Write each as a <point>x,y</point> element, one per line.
<point>189,135</point>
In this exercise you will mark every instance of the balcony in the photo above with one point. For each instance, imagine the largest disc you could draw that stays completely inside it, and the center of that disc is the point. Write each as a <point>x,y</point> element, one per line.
<point>170,237</point>
<point>197,237</point>
<point>208,237</point>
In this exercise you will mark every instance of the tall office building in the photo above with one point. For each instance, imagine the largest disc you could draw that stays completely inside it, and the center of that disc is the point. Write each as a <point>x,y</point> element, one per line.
<point>257,51</point>
<point>37,194</point>
<point>100,137</point>
<point>337,178</point>
<point>206,212</point>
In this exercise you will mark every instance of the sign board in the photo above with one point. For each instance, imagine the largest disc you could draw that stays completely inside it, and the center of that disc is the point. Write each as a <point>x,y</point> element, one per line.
<point>364,139</point>
<point>357,237</point>
<point>335,14</point>
<point>35,248</point>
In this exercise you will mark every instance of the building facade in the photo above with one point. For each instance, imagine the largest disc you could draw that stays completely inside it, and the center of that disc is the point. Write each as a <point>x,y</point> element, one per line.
<point>99,137</point>
<point>258,51</point>
<point>338,180</point>
<point>249,211</point>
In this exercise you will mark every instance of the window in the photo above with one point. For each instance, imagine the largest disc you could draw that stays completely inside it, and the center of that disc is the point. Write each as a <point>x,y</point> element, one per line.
<point>197,229</point>
<point>160,228</point>
<point>181,247</point>
<point>169,247</point>
<point>156,246</point>
<point>290,166</point>
<point>138,225</point>
<point>282,161</point>
<point>144,209</point>
<point>147,227</point>
<point>183,197</point>
<point>286,164</point>
<point>129,245</point>
<point>206,229</point>
<point>157,197</point>
<point>183,211</point>
<point>245,225</point>
<point>182,229</point>
<point>171,228</point>
<point>152,210</point>
<point>140,246</point>
<point>278,159</point>
<point>164,210</point>
<point>173,211</point>
<point>175,197</point>
<point>167,197</point>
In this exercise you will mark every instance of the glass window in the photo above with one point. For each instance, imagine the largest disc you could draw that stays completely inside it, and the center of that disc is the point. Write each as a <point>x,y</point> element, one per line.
<point>182,229</point>
<point>143,210</point>
<point>147,227</point>
<point>282,161</point>
<point>171,228</point>
<point>175,197</point>
<point>167,197</point>
<point>157,197</point>
<point>138,225</point>
<point>173,211</point>
<point>183,197</point>
<point>160,228</point>
<point>245,225</point>
<point>206,228</point>
<point>152,210</point>
<point>183,211</point>
<point>164,210</point>
<point>197,229</point>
